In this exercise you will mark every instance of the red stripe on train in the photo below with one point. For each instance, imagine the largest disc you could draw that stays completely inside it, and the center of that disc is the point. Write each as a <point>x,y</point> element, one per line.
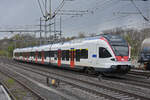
<point>59,58</point>
<point>102,38</point>
<point>120,58</point>
<point>42,57</point>
<point>36,55</point>
<point>72,63</point>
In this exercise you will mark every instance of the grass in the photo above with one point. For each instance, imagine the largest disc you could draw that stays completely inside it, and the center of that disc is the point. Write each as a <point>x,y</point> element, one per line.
<point>10,81</point>
<point>19,93</point>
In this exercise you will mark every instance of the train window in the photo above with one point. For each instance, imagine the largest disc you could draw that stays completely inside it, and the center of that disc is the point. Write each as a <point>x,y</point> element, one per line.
<point>78,54</point>
<point>46,54</point>
<point>29,54</point>
<point>32,54</point>
<point>63,55</point>
<point>55,55</point>
<point>26,54</point>
<point>22,54</point>
<point>84,54</point>
<point>51,53</point>
<point>67,55</point>
<point>39,55</point>
<point>36,54</point>
<point>103,53</point>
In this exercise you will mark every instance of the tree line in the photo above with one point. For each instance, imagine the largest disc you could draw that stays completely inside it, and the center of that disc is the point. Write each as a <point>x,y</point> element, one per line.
<point>133,36</point>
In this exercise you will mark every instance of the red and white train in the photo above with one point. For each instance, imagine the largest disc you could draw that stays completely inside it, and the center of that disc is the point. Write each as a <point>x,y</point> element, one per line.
<point>105,54</point>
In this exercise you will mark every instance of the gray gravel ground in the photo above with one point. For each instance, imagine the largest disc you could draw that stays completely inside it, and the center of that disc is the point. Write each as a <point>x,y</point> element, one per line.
<point>19,92</point>
<point>43,90</point>
<point>122,86</point>
<point>67,89</point>
<point>80,94</point>
<point>107,91</point>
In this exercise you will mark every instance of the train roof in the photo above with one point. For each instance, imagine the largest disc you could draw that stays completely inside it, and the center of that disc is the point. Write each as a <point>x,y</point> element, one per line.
<point>109,37</point>
<point>146,43</point>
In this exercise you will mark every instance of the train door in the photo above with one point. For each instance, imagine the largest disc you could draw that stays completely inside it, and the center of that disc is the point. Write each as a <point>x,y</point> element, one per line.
<point>23,56</point>
<point>50,55</point>
<point>27,56</point>
<point>72,56</point>
<point>42,54</point>
<point>36,56</point>
<point>59,57</point>
<point>103,56</point>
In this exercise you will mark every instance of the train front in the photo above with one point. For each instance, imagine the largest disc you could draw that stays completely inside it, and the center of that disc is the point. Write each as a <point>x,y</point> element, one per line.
<point>119,62</point>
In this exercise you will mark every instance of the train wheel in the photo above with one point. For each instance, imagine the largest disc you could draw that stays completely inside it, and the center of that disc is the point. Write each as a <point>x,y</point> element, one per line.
<point>90,71</point>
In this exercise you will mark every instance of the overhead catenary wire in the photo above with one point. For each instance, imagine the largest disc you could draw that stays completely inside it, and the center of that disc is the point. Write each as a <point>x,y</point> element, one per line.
<point>140,12</point>
<point>106,2</point>
<point>99,8</point>
<point>59,8</point>
<point>92,10</point>
<point>108,20</point>
<point>88,11</point>
<point>41,8</point>
<point>44,5</point>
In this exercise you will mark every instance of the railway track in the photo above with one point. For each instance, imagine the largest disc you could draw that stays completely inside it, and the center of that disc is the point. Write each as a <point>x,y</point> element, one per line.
<point>74,83</point>
<point>108,92</point>
<point>8,91</point>
<point>140,73</point>
<point>22,84</point>
<point>128,79</point>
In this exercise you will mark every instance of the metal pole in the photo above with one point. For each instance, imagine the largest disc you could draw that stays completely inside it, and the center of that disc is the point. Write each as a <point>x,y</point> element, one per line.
<point>50,12</point>
<point>45,18</point>
<point>147,3</point>
<point>40,30</point>
<point>55,27</point>
<point>60,26</point>
<point>45,29</point>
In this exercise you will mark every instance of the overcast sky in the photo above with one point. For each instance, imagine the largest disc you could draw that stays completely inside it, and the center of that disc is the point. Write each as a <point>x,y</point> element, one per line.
<point>101,15</point>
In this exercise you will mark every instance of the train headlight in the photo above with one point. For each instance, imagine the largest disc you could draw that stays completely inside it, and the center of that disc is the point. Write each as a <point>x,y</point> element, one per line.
<point>114,67</point>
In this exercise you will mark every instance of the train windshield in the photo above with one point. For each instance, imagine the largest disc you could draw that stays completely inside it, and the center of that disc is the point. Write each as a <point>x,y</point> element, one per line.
<point>119,45</point>
<point>121,50</point>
